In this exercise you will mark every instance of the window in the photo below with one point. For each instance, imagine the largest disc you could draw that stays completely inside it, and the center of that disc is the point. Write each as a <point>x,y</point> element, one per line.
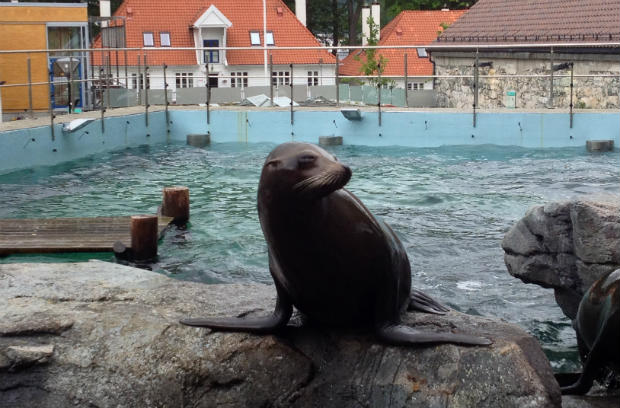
<point>239,80</point>
<point>254,37</point>
<point>269,38</point>
<point>164,38</point>
<point>313,78</point>
<point>184,80</point>
<point>136,85</point>
<point>422,52</point>
<point>281,78</point>
<point>148,39</point>
<point>415,86</point>
<point>212,56</point>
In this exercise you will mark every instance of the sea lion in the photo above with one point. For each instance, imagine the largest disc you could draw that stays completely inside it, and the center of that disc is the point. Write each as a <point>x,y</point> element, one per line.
<point>330,257</point>
<point>598,331</point>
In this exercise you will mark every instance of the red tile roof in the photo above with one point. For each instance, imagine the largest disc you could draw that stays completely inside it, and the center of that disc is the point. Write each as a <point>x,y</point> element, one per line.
<point>491,21</point>
<point>176,17</point>
<point>410,27</point>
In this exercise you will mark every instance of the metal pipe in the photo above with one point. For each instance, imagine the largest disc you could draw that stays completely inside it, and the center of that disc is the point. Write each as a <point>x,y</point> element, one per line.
<point>571,95</point>
<point>101,104</point>
<point>208,94</point>
<point>147,86</point>
<point>337,82</point>
<point>550,103</point>
<point>471,46</point>
<point>69,93</point>
<point>139,81</point>
<point>379,91</point>
<point>107,82</point>
<point>30,112</point>
<point>406,83</point>
<point>51,104</point>
<point>475,105</point>
<point>271,80</point>
<point>292,118</point>
<point>166,97</point>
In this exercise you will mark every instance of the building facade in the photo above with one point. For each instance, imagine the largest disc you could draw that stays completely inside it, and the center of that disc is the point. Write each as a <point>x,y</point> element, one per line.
<point>565,35</point>
<point>43,26</point>
<point>160,27</point>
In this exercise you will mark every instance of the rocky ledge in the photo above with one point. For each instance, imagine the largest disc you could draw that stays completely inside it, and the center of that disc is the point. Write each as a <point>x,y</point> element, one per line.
<point>97,334</point>
<point>565,246</point>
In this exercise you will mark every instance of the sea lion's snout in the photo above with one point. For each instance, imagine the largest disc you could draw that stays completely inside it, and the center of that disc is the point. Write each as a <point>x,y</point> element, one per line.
<point>332,177</point>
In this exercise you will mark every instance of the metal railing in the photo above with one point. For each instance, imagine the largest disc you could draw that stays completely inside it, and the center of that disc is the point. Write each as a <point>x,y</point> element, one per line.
<point>143,84</point>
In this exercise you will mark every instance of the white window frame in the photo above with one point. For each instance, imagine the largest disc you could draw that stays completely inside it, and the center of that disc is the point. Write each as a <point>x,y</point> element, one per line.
<point>255,37</point>
<point>164,38</point>
<point>184,80</point>
<point>313,78</point>
<point>281,78</point>
<point>239,79</point>
<point>148,39</point>
<point>415,86</point>
<point>269,40</point>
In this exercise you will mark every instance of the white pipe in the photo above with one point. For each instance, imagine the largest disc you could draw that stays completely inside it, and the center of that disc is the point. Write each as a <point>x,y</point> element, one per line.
<point>265,41</point>
<point>300,11</point>
<point>365,26</point>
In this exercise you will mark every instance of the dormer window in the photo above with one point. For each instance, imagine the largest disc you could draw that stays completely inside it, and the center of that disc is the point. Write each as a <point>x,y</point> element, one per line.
<point>148,39</point>
<point>269,38</point>
<point>254,38</point>
<point>164,38</point>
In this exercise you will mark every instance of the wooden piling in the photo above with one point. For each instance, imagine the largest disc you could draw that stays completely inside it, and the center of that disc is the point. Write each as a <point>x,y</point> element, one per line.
<point>175,204</point>
<point>144,236</point>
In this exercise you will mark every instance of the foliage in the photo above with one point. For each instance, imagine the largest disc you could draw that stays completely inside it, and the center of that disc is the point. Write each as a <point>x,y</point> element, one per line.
<point>373,65</point>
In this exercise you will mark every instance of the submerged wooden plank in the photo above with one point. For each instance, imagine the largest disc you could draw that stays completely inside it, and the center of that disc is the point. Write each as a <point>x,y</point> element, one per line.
<point>67,234</point>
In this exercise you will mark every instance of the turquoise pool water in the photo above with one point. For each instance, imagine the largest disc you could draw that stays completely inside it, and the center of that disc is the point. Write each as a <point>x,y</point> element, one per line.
<point>451,207</point>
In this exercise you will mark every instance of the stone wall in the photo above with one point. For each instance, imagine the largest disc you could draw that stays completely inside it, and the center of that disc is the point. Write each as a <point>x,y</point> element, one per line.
<point>531,92</point>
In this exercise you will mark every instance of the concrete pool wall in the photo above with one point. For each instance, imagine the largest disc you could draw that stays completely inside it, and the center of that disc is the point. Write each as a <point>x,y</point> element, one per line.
<point>28,147</point>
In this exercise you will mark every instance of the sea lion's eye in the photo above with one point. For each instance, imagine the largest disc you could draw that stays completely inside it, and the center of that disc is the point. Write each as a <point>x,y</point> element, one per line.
<point>273,163</point>
<point>306,159</point>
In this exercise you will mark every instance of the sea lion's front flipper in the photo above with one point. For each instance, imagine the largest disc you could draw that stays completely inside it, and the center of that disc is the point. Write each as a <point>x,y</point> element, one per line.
<point>594,361</point>
<point>402,335</point>
<point>422,302</point>
<point>266,324</point>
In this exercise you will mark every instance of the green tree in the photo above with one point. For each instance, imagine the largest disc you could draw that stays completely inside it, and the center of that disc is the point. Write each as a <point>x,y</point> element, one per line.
<point>373,65</point>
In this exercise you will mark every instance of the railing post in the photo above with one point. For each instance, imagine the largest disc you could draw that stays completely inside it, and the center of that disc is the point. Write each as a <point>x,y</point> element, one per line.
<point>292,118</point>
<point>571,94</point>
<point>475,105</point>
<point>147,86</point>
<point>337,82</point>
<point>271,79</point>
<point>102,95</point>
<point>166,97</point>
<point>139,83</point>
<point>550,103</point>
<point>406,86</point>
<point>379,91</point>
<point>208,94</point>
<point>51,104</point>
<point>70,82</point>
<point>30,111</point>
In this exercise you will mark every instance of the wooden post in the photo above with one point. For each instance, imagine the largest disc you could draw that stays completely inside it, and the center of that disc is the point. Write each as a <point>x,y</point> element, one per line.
<point>144,236</point>
<point>175,204</point>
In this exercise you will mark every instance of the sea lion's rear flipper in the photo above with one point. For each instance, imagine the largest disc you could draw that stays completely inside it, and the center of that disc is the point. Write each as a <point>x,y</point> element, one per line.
<point>266,324</point>
<point>422,302</point>
<point>402,335</point>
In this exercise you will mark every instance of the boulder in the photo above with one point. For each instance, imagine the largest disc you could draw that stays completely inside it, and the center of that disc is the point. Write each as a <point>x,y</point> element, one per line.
<point>565,246</point>
<point>97,334</point>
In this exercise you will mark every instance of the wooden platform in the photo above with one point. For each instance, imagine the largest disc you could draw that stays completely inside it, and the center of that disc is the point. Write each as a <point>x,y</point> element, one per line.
<point>20,236</point>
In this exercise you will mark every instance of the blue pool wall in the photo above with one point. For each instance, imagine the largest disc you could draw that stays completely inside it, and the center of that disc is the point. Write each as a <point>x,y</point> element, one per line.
<point>34,146</point>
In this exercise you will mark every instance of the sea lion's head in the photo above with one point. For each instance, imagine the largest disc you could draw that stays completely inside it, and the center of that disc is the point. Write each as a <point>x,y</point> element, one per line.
<point>301,171</point>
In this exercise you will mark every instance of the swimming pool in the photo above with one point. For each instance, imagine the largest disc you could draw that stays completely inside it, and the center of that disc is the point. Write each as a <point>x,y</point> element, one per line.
<point>451,207</point>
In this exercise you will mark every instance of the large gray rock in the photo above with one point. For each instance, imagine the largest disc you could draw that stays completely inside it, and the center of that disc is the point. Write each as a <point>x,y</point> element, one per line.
<point>565,246</point>
<point>104,335</point>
